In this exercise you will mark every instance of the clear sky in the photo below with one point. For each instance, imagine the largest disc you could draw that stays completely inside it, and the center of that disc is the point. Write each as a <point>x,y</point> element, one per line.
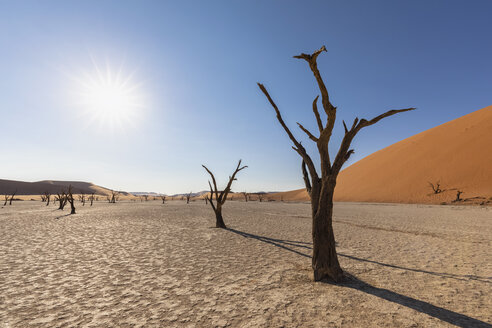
<point>190,95</point>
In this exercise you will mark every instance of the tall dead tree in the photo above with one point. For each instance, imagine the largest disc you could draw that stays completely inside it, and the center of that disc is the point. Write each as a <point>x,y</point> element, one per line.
<point>70,199</point>
<point>188,196</point>
<point>321,188</point>
<point>245,194</point>
<point>163,199</point>
<point>220,198</point>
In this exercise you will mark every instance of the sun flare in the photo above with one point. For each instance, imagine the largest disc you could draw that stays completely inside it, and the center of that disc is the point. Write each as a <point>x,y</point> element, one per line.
<point>110,98</point>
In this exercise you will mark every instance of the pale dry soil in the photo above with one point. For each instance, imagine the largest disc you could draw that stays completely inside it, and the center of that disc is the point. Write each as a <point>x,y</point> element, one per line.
<point>154,265</point>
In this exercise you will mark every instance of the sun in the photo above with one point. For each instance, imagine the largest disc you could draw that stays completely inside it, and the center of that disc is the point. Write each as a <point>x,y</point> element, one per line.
<point>109,97</point>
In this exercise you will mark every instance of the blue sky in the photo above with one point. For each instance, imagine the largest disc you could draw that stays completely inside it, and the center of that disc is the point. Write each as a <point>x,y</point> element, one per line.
<point>196,64</point>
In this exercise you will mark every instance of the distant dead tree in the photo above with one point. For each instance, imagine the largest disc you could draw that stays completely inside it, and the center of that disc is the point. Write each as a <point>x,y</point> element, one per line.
<point>206,199</point>
<point>61,197</point>
<point>188,196</point>
<point>12,197</point>
<point>108,198</point>
<point>321,188</point>
<point>163,199</point>
<point>114,197</point>
<point>91,198</point>
<point>70,199</point>
<point>260,196</point>
<point>245,194</point>
<point>47,197</point>
<point>458,196</point>
<point>82,198</point>
<point>146,197</point>
<point>436,188</point>
<point>222,197</point>
<point>6,199</point>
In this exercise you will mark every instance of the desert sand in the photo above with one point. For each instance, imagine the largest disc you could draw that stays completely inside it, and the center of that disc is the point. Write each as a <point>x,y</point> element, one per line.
<point>457,153</point>
<point>152,265</point>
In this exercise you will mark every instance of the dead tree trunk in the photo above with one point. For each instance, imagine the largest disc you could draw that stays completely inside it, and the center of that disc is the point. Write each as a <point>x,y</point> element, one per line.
<point>70,199</point>
<point>91,198</point>
<point>6,199</point>
<point>321,188</point>
<point>245,194</point>
<point>188,196</point>
<point>220,198</point>
<point>436,189</point>
<point>260,197</point>
<point>163,199</point>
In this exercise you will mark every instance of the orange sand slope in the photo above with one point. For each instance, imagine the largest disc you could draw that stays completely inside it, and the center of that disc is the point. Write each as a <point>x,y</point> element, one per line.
<point>457,153</point>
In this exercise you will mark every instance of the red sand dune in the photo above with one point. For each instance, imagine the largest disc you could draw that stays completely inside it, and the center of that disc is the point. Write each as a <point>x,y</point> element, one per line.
<point>457,153</point>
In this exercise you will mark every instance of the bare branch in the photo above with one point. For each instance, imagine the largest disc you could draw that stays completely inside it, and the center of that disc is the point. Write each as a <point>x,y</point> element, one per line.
<point>306,178</point>
<point>215,182</point>
<point>309,134</point>
<point>316,113</point>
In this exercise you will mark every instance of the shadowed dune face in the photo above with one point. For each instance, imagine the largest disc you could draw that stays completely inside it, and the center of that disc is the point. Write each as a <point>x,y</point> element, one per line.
<point>153,265</point>
<point>457,153</point>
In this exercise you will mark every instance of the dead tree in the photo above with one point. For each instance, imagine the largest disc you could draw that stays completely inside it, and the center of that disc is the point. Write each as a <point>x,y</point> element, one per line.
<point>245,194</point>
<point>47,197</point>
<point>108,198</point>
<point>206,199</point>
<point>82,198</point>
<point>6,199</point>
<point>12,197</point>
<point>436,189</point>
<point>91,198</point>
<point>220,198</point>
<point>114,197</point>
<point>188,196</point>
<point>163,199</point>
<point>70,199</point>
<point>321,188</point>
<point>146,197</point>
<point>458,196</point>
<point>61,197</point>
<point>260,196</point>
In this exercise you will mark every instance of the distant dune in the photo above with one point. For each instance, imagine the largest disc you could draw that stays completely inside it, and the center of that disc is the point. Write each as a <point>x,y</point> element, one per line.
<point>457,153</point>
<point>37,188</point>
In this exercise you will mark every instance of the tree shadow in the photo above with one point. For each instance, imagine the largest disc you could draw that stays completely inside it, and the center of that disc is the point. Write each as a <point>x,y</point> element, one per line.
<point>350,281</point>
<point>62,216</point>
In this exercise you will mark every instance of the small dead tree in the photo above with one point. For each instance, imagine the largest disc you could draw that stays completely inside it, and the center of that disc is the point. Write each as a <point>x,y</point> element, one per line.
<point>458,195</point>
<point>70,199</point>
<point>188,196</point>
<point>91,198</point>
<point>6,199</point>
<point>146,197</point>
<point>47,197</point>
<point>114,197</point>
<point>321,188</point>
<point>436,188</point>
<point>260,196</point>
<point>220,198</point>
<point>12,197</point>
<point>61,197</point>
<point>163,199</point>
<point>82,198</point>
<point>108,198</point>
<point>245,194</point>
